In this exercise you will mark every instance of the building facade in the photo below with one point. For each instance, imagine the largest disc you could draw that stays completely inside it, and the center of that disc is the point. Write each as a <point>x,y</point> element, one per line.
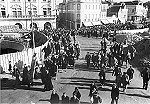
<point>74,13</point>
<point>21,12</point>
<point>136,10</point>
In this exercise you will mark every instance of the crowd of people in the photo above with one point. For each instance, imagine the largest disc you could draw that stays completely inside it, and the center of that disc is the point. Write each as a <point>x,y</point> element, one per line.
<point>63,49</point>
<point>115,56</point>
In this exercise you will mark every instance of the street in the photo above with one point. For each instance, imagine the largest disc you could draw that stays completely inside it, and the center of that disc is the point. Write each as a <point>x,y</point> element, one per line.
<point>80,77</point>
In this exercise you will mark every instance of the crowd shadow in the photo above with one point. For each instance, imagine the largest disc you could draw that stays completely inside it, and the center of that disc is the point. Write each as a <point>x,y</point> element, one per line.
<point>134,87</point>
<point>137,95</point>
<point>88,50</point>
<point>60,102</point>
<point>84,83</point>
<point>9,84</point>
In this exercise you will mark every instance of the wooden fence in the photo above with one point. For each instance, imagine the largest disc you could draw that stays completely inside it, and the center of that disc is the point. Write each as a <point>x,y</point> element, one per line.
<point>18,58</point>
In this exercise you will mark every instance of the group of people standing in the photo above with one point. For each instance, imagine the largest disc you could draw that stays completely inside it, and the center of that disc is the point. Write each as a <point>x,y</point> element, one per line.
<point>75,99</point>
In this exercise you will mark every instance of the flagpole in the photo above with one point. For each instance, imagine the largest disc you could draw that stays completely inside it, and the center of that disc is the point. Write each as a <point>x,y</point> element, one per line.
<point>32,28</point>
<point>32,31</point>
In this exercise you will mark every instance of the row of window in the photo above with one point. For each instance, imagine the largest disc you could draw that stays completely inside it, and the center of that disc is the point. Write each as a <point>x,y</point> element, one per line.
<point>102,7</point>
<point>92,16</point>
<point>72,7</point>
<point>17,12</point>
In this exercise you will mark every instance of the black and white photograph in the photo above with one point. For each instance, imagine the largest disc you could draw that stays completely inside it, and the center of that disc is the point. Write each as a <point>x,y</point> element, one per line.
<point>74,51</point>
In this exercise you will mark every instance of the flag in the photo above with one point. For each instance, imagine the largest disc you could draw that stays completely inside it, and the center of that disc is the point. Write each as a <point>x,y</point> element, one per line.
<point>47,49</point>
<point>39,38</point>
<point>102,23</point>
<point>83,25</point>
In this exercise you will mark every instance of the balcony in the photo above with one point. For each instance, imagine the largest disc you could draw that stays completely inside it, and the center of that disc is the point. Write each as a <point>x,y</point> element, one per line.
<point>27,17</point>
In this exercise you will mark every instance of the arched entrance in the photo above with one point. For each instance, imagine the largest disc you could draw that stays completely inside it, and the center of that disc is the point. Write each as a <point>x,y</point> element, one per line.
<point>18,24</point>
<point>47,25</point>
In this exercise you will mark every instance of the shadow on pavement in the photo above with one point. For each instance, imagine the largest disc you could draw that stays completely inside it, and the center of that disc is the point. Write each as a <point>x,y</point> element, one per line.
<point>46,100</point>
<point>137,95</point>
<point>9,84</point>
<point>134,88</point>
<point>84,83</point>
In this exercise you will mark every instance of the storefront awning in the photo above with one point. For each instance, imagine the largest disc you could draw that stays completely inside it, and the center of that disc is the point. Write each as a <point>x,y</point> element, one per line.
<point>88,24</point>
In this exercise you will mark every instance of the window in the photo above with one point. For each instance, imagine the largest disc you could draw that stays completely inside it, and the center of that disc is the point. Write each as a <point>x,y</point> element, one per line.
<point>89,6</point>
<point>16,11</point>
<point>73,6</point>
<point>78,7</point>
<point>2,12</point>
<point>33,9</point>
<point>85,6</point>
<point>78,16</point>
<point>93,6</point>
<point>46,11</point>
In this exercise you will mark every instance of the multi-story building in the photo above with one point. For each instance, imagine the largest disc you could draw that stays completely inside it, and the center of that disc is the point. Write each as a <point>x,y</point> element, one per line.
<point>74,13</point>
<point>117,12</point>
<point>21,12</point>
<point>136,10</point>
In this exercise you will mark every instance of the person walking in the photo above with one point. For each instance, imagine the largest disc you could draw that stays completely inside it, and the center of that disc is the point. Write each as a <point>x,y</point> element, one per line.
<point>93,90</point>
<point>125,80</point>
<point>88,59</point>
<point>130,73</point>
<point>96,99</point>
<point>77,93</point>
<point>74,99</point>
<point>146,77</point>
<point>65,98</point>
<point>54,98</point>
<point>114,94</point>
<point>17,75</point>
<point>102,75</point>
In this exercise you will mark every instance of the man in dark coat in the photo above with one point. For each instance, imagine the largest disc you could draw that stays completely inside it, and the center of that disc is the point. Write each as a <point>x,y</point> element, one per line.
<point>74,100</point>
<point>54,98</point>
<point>77,93</point>
<point>102,75</point>
<point>25,77</point>
<point>130,73</point>
<point>114,94</point>
<point>43,74</point>
<point>10,68</point>
<point>48,84</point>
<point>65,99</point>
<point>96,99</point>
<point>88,59</point>
<point>146,77</point>
<point>94,59</point>
<point>116,71</point>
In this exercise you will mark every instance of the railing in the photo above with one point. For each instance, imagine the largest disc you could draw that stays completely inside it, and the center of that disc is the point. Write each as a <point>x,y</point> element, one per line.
<point>28,16</point>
